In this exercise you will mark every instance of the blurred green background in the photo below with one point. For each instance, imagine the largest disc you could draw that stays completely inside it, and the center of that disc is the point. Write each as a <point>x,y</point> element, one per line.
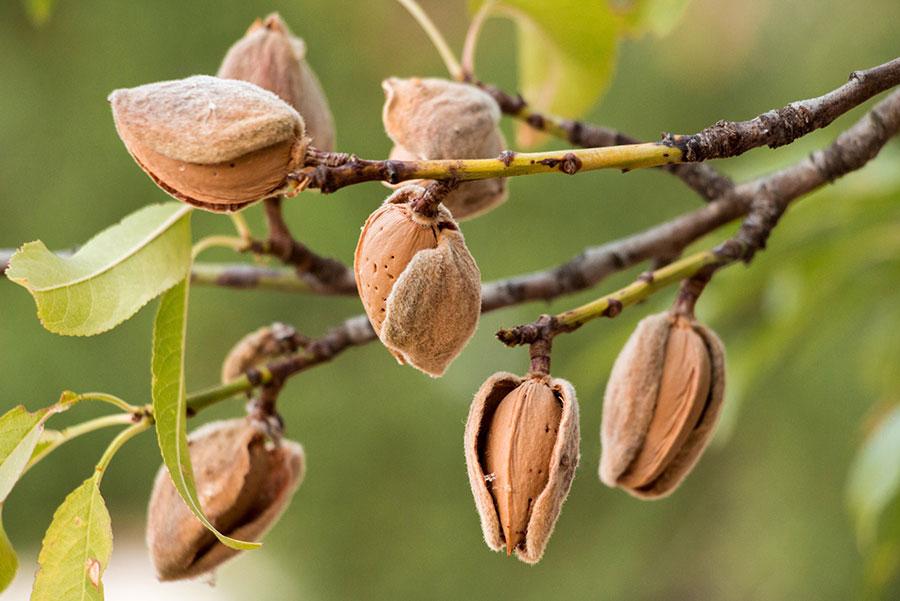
<point>812,327</point>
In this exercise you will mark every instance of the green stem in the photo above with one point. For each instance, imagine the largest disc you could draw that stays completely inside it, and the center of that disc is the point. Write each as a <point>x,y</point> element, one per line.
<point>509,163</point>
<point>67,434</point>
<point>117,442</point>
<point>233,242</point>
<point>240,225</point>
<point>111,399</point>
<point>205,398</point>
<point>436,37</point>
<point>611,304</point>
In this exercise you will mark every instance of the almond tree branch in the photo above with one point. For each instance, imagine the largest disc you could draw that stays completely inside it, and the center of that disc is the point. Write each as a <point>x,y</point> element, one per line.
<point>705,180</point>
<point>330,171</point>
<point>765,199</point>
<point>852,150</point>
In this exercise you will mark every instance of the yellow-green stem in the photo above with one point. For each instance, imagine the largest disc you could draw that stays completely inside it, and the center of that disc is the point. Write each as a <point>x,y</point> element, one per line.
<point>641,289</point>
<point>111,399</point>
<point>116,444</point>
<point>211,396</point>
<point>233,242</point>
<point>67,434</point>
<point>436,37</point>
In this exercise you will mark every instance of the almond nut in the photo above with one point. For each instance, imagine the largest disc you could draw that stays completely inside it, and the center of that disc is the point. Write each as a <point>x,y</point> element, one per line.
<point>270,56</point>
<point>662,401</point>
<point>218,144</point>
<point>418,282</point>
<point>521,444</point>
<point>244,484</point>
<point>439,119</point>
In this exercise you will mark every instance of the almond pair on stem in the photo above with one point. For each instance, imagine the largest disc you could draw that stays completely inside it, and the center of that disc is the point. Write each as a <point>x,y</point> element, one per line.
<point>662,402</point>
<point>521,444</point>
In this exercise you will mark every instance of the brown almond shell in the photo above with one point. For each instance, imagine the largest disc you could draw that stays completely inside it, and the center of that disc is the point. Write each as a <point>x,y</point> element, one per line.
<point>682,464</point>
<point>243,485</point>
<point>631,396</point>
<point>630,402</point>
<point>563,462</point>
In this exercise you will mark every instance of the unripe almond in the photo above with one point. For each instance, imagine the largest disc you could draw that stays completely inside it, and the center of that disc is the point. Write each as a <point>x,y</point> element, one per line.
<point>215,143</point>
<point>243,483</point>
<point>521,444</point>
<point>439,119</point>
<point>270,56</point>
<point>662,402</point>
<point>418,282</point>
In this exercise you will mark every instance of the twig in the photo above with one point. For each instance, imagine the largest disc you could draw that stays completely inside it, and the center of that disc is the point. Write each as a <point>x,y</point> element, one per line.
<point>322,172</point>
<point>329,273</point>
<point>724,139</point>
<point>783,126</point>
<point>703,179</point>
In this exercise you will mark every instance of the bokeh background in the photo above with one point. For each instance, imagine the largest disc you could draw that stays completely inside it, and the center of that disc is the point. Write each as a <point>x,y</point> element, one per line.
<point>811,327</point>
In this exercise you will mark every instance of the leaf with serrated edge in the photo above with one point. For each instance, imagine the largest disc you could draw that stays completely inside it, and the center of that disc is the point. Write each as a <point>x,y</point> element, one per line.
<point>20,432</point>
<point>112,276</point>
<point>9,561</point>
<point>76,548</point>
<point>169,402</point>
<point>566,54</point>
<point>875,476</point>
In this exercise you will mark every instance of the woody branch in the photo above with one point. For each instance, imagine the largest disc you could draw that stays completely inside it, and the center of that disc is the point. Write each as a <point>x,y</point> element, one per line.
<point>329,171</point>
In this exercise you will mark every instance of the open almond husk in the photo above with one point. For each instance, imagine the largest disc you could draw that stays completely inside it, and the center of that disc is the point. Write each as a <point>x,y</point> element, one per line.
<point>521,442</point>
<point>244,485</point>
<point>662,402</point>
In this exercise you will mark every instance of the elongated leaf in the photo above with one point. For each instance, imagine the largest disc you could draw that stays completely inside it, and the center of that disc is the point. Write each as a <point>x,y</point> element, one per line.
<point>169,402</point>
<point>875,476</point>
<point>566,54</point>
<point>112,276</point>
<point>9,561</point>
<point>20,432</point>
<point>76,548</point>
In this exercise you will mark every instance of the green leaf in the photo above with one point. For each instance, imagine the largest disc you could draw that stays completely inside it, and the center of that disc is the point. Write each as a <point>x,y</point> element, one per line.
<point>39,11</point>
<point>9,561</point>
<point>169,402</point>
<point>566,53</point>
<point>76,548</point>
<point>875,476</point>
<point>655,16</point>
<point>20,432</point>
<point>112,276</point>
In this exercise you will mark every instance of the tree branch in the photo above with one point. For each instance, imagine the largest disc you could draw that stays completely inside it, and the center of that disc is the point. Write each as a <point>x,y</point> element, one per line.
<point>705,180</point>
<point>330,171</point>
<point>765,198</point>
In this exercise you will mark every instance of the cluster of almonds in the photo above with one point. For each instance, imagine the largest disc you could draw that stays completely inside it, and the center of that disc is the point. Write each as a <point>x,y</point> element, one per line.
<point>662,402</point>
<point>223,143</point>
